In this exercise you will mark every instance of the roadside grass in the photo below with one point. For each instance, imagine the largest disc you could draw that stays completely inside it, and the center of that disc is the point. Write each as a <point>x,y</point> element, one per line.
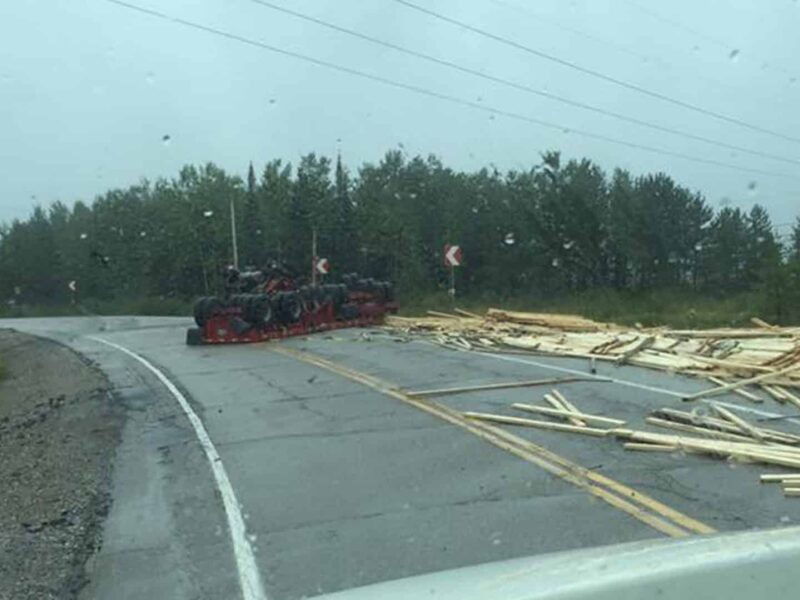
<point>2,369</point>
<point>150,306</point>
<point>677,309</point>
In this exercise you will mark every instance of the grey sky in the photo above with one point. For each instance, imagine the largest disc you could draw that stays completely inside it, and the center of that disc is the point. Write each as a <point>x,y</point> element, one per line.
<point>88,89</point>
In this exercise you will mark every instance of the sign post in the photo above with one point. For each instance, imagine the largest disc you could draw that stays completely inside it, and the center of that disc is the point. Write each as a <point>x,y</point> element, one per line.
<point>452,258</point>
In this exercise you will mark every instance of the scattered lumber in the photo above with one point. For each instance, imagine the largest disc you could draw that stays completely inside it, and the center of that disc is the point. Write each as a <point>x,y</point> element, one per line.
<point>538,424</point>
<point>556,403</point>
<point>499,386</point>
<point>546,410</point>
<point>764,356</point>
<point>743,382</point>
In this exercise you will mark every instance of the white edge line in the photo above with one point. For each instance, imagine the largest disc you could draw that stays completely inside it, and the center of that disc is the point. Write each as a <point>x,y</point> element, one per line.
<point>249,577</point>
<point>535,363</point>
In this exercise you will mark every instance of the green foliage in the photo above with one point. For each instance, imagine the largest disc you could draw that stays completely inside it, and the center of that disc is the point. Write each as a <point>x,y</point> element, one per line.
<point>559,229</point>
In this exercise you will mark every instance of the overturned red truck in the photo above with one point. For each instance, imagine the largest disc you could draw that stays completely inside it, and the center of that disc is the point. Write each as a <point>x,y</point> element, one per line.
<point>272,303</point>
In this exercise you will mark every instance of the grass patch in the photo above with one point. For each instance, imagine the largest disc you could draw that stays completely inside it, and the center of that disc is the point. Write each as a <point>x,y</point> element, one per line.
<point>148,306</point>
<point>2,369</point>
<point>677,309</point>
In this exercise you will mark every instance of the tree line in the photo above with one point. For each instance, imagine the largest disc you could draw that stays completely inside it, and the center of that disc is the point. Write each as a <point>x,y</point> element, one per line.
<point>555,228</point>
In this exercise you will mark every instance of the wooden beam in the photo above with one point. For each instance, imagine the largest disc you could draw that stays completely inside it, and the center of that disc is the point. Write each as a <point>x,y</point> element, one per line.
<point>712,433</point>
<point>537,424</point>
<point>792,492</point>
<point>648,447</point>
<point>742,383</point>
<point>742,392</point>
<point>743,425</point>
<point>466,313</point>
<point>643,344</point>
<point>556,403</point>
<point>499,386</point>
<point>779,477</point>
<point>546,410</point>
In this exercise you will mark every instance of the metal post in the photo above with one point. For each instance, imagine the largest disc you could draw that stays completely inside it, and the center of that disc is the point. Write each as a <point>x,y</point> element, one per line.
<point>453,283</point>
<point>233,237</point>
<point>314,256</point>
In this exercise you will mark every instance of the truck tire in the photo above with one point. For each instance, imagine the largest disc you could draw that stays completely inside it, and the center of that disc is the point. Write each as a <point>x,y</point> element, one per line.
<point>290,307</point>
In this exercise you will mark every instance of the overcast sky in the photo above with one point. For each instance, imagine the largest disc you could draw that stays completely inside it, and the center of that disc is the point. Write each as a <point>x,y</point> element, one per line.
<point>88,89</point>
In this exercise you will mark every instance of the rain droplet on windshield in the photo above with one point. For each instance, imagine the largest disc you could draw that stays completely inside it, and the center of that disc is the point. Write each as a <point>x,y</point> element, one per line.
<point>165,139</point>
<point>84,236</point>
<point>568,245</point>
<point>509,239</point>
<point>272,101</point>
<point>208,213</point>
<point>734,55</point>
<point>752,185</point>
<point>150,78</point>
<point>142,234</point>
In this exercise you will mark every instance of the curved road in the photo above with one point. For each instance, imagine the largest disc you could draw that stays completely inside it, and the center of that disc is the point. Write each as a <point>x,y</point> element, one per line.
<point>305,467</point>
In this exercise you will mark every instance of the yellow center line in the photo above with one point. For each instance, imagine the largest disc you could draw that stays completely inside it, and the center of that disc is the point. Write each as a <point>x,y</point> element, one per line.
<point>638,505</point>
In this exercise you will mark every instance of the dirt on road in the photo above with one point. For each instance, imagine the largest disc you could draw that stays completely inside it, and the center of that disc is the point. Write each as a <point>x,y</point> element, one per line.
<point>59,428</point>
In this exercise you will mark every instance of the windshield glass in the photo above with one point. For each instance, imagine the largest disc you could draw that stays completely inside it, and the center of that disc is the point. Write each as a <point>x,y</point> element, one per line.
<point>298,297</point>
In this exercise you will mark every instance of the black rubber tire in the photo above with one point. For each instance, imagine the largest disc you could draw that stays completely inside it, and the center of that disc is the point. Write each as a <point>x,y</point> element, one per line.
<point>199,311</point>
<point>290,307</point>
<point>348,312</point>
<point>205,308</point>
<point>261,312</point>
<point>341,295</point>
<point>213,306</point>
<point>194,336</point>
<point>388,290</point>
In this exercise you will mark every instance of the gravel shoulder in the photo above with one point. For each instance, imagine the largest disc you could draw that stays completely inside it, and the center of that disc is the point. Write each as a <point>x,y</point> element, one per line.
<point>59,429</point>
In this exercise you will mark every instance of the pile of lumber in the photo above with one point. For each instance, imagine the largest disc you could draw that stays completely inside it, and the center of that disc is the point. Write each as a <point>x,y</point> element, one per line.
<point>764,357</point>
<point>724,435</point>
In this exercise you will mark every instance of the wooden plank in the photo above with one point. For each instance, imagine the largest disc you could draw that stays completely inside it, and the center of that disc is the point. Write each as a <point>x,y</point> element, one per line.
<point>778,477</point>
<point>546,410</point>
<point>712,433</point>
<point>713,422</point>
<point>775,393</point>
<point>740,391</point>
<point>742,383</point>
<point>466,313</point>
<point>567,404</point>
<point>745,451</point>
<point>790,397</point>
<point>763,324</point>
<point>436,313</point>
<point>556,403</point>
<point>791,492</point>
<point>648,447</point>
<point>743,425</point>
<point>643,344</point>
<point>500,386</point>
<point>537,424</point>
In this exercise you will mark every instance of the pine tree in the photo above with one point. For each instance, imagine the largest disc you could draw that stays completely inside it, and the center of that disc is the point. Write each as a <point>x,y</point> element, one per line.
<point>253,252</point>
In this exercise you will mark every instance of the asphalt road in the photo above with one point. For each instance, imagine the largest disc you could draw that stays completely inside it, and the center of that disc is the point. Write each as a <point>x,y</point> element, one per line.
<point>341,480</point>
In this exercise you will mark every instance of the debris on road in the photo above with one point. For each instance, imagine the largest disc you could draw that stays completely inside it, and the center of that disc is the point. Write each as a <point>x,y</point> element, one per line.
<point>727,435</point>
<point>499,386</point>
<point>765,358</point>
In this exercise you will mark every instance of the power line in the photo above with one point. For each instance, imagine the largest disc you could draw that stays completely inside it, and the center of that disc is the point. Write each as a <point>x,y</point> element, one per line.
<point>520,86</point>
<point>596,74</point>
<point>438,95</point>
<point>704,36</point>
<point>537,16</point>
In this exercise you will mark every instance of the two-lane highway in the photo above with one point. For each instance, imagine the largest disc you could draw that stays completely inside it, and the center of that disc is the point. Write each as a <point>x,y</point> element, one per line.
<point>342,480</point>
